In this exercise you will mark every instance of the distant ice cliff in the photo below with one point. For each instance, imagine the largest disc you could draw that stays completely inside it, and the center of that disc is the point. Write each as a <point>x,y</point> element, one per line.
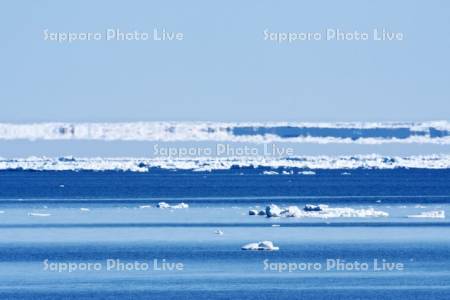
<point>436,132</point>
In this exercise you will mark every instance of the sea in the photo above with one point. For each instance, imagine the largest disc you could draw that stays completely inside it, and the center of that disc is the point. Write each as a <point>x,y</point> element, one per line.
<point>116,234</point>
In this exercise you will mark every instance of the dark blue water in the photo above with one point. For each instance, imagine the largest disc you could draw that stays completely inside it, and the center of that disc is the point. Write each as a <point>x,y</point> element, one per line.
<point>238,183</point>
<point>119,221</point>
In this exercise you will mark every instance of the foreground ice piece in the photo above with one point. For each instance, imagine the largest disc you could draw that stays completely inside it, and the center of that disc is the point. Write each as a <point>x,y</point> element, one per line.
<point>436,214</point>
<point>323,211</point>
<point>166,205</point>
<point>260,246</point>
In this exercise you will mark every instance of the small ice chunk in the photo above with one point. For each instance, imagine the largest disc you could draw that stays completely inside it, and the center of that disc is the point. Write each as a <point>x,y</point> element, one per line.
<point>34,214</point>
<point>436,214</point>
<point>310,207</point>
<point>144,206</point>
<point>250,246</point>
<point>262,213</point>
<point>180,205</point>
<point>177,206</point>
<point>218,232</point>
<point>260,246</point>
<point>273,211</point>
<point>163,205</point>
<point>292,211</point>
<point>270,173</point>
<point>84,209</point>
<point>268,245</point>
<point>252,212</point>
<point>307,173</point>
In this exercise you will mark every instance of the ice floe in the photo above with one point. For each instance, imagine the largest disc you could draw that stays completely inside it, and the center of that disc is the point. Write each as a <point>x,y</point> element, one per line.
<point>35,214</point>
<point>441,161</point>
<point>270,173</point>
<point>311,207</point>
<point>307,173</point>
<point>84,209</point>
<point>260,246</point>
<point>254,212</point>
<point>180,205</point>
<point>420,206</point>
<point>273,211</point>
<point>436,214</point>
<point>146,206</point>
<point>321,211</point>
<point>165,205</point>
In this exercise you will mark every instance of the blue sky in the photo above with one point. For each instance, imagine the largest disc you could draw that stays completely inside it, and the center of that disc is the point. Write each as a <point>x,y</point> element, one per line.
<point>224,70</point>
